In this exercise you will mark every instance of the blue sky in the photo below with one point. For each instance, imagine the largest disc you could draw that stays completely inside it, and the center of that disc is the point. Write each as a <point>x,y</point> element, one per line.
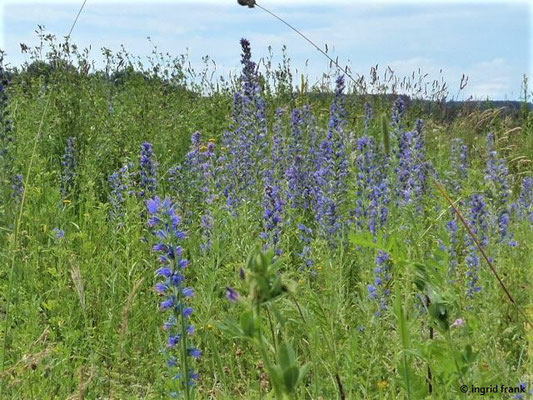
<point>489,41</point>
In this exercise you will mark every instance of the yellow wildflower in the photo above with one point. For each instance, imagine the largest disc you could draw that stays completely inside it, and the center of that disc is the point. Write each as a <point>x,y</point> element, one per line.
<point>382,385</point>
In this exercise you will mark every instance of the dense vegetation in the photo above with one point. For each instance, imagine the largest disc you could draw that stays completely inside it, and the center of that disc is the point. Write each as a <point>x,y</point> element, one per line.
<point>166,235</point>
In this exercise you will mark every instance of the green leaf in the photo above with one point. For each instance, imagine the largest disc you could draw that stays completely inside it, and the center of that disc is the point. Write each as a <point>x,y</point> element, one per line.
<point>231,328</point>
<point>364,240</point>
<point>278,314</point>
<point>304,370</point>
<point>439,312</point>
<point>276,377</point>
<point>286,355</point>
<point>404,368</point>
<point>290,378</point>
<point>249,325</point>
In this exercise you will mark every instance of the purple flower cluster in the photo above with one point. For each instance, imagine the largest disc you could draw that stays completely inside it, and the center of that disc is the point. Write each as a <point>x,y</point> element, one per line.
<point>331,174</point>
<point>369,114</point>
<point>378,290</point>
<point>165,225</point>
<point>121,183</point>
<point>479,222</point>
<point>398,112</point>
<point>59,233</point>
<point>302,189</point>
<point>459,165</point>
<point>68,167</point>
<point>279,151</point>
<point>305,234</point>
<point>412,168</point>
<point>17,187</point>
<point>272,217</point>
<point>496,177</point>
<point>246,143</point>
<point>147,171</point>
<point>372,186</point>
<point>209,189</point>
<point>525,202</point>
<point>453,231</point>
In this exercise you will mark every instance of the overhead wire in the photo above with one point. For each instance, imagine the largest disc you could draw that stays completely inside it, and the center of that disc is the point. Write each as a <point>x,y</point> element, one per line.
<point>335,62</point>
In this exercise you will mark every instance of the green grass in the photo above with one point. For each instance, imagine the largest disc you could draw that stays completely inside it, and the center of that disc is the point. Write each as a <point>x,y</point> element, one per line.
<point>83,318</point>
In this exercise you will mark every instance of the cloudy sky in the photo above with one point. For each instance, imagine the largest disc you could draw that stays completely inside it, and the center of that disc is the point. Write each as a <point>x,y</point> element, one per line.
<point>487,40</point>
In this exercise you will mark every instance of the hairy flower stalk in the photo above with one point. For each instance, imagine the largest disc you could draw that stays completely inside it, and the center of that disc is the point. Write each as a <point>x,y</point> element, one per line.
<point>412,169</point>
<point>478,221</point>
<point>247,142</point>
<point>372,187</point>
<point>459,165</point>
<point>298,175</point>
<point>398,113</point>
<point>303,173</point>
<point>331,174</point>
<point>121,183</point>
<point>378,290</point>
<point>496,177</point>
<point>369,115</point>
<point>279,149</point>
<point>68,168</point>
<point>272,217</point>
<point>147,171</point>
<point>209,189</point>
<point>305,234</point>
<point>525,201</point>
<point>453,232</point>
<point>190,183</point>
<point>165,225</point>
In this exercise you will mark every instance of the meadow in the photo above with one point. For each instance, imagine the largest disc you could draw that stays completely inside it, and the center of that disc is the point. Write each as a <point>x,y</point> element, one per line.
<point>167,234</point>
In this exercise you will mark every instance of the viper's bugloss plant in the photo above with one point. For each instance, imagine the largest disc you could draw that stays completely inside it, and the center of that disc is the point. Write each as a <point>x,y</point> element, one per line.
<point>478,220</point>
<point>147,171</point>
<point>69,165</point>
<point>398,113</point>
<point>412,169</point>
<point>496,177</point>
<point>246,142</point>
<point>209,192</point>
<point>331,175</point>
<point>458,174</point>
<point>305,234</point>
<point>272,217</point>
<point>452,227</point>
<point>369,115</point>
<point>525,202</point>
<point>165,225</point>
<point>379,290</point>
<point>121,183</point>
<point>372,186</point>
<point>17,186</point>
